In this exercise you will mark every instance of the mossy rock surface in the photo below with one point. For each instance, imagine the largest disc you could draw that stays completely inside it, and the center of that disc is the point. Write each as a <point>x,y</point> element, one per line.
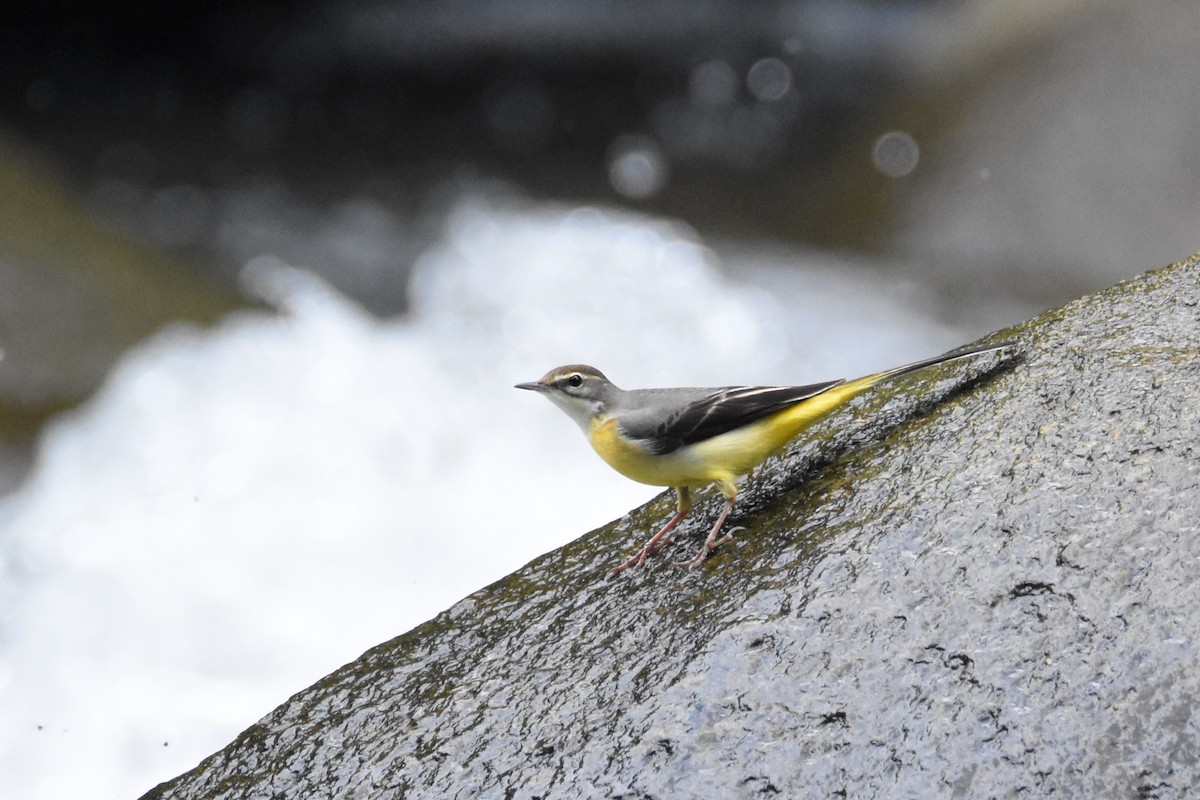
<point>990,596</point>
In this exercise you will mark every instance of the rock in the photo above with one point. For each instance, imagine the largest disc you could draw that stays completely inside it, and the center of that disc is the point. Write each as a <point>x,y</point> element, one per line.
<point>991,597</point>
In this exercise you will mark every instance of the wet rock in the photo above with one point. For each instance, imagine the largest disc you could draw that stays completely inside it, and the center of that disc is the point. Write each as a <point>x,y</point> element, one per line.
<point>991,596</point>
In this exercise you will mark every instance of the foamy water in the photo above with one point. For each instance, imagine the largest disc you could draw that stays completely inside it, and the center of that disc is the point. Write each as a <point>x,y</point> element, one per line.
<point>242,509</point>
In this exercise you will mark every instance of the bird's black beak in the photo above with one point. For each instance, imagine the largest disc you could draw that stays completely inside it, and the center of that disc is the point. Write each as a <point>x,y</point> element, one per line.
<point>533,387</point>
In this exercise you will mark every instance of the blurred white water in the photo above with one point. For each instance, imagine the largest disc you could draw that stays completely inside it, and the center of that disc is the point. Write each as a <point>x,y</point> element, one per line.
<point>243,509</point>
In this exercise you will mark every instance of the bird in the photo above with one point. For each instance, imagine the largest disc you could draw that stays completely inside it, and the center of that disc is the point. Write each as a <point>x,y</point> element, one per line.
<point>689,438</point>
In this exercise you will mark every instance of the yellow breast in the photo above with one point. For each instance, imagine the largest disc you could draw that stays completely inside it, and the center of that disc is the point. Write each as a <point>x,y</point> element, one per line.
<point>625,456</point>
<point>718,460</point>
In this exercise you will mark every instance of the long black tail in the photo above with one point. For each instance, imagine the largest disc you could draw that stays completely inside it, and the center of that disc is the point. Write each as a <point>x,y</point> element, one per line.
<point>953,355</point>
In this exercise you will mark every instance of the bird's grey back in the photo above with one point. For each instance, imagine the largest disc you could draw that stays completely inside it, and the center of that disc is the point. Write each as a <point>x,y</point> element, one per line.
<point>667,419</point>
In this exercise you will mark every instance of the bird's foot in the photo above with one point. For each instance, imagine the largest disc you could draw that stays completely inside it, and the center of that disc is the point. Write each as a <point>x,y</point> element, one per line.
<point>637,561</point>
<point>703,552</point>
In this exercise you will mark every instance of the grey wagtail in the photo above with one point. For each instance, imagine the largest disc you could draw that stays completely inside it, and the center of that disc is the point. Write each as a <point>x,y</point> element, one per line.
<point>690,438</point>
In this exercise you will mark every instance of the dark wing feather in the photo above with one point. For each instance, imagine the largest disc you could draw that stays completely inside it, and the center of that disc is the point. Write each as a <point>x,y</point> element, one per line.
<point>719,412</point>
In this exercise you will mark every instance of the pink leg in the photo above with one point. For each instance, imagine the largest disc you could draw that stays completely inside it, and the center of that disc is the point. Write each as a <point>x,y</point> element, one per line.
<point>653,546</point>
<point>661,539</point>
<point>711,543</point>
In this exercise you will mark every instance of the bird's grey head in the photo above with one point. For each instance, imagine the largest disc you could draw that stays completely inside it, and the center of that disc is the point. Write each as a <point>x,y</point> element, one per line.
<point>581,391</point>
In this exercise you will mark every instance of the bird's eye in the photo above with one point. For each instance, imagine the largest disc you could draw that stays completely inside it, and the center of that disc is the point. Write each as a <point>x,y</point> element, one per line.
<point>575,380</point>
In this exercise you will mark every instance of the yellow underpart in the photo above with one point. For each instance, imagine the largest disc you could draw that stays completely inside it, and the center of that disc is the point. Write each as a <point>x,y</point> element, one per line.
<point>721,459</point>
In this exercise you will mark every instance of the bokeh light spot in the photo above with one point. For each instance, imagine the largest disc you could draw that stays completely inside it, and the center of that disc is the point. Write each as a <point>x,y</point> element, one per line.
<point>769,79</point>
<point>895,154</point>
<point>637,167</point>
